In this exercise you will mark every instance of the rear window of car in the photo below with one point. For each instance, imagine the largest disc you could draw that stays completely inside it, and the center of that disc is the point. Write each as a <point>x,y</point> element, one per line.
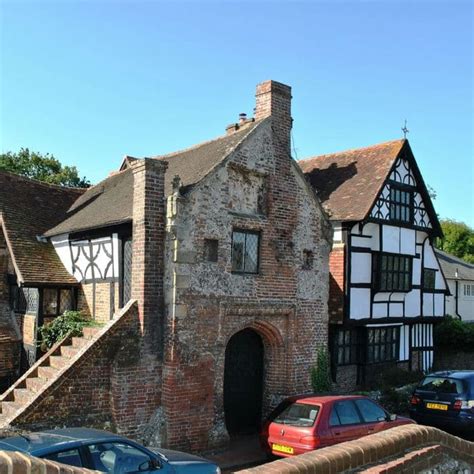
<point>298,414</point>
<point>442,385</point>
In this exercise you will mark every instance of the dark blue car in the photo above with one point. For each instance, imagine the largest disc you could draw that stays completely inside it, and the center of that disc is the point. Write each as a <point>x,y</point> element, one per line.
<point>445,400</point>
<point>105,452</point>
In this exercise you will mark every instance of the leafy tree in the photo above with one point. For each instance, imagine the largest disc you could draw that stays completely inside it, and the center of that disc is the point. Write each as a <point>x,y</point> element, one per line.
<point>41,167</point>
<point>458,239</point>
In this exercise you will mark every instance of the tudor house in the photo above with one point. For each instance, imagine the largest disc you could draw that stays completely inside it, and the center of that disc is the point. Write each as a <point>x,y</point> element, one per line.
<point>387,289</point>
<point>225,246</point>
<point>34,285</point>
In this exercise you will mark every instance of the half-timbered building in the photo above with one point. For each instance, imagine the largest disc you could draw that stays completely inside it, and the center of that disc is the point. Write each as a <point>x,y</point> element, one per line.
<point>387,289</point>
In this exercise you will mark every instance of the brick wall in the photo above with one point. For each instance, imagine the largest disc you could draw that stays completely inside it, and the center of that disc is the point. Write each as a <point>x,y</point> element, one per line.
<point>99,300</point>
<point>14,462</point>
<point>84,394</point>
<point>285,303</point>
<point>447,359</point>
<point>406,449</point>
<point>336,283</point>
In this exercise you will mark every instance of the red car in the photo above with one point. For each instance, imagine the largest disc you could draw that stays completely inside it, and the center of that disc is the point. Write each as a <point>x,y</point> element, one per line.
<point>303,423</point>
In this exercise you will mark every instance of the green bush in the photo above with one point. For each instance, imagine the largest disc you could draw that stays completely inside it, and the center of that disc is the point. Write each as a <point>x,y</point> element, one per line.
<point>70,322</point>
<point>396,400</point>
<point>454,334</point>
<point>394,377</point>
<point>320,375</point>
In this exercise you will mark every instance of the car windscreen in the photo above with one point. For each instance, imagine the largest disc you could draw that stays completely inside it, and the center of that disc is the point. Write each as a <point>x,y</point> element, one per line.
<point>442,385</point>
<point>298,414</point>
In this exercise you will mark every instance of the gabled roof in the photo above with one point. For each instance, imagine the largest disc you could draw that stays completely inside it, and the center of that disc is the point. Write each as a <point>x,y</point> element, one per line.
<point>348,182</point>
<point>454,267</point>
<point>111,201</point>
<point>27,209</point>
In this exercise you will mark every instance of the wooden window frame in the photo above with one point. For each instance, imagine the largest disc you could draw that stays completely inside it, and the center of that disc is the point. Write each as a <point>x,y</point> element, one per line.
<point>378,271</point>
<point>398,207</point>
<point>387,342</point>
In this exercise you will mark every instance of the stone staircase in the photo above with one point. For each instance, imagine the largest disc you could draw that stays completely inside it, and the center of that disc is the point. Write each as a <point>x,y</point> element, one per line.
<point>43,373</point>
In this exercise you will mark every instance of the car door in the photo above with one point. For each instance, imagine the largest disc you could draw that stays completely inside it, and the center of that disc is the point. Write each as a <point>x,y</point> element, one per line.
<point>345,422</point>
<point>118,457</point>
<point>373,416</point>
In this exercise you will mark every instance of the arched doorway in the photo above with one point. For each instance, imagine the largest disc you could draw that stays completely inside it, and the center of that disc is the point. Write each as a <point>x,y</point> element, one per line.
<point>243,382</point>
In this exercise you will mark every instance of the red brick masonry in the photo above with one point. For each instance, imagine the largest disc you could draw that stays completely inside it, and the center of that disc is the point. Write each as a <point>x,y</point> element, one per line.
<point>405,449</point>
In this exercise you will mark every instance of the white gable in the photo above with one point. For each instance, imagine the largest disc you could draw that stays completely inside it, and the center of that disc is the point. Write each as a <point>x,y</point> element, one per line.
<point>402,174</point>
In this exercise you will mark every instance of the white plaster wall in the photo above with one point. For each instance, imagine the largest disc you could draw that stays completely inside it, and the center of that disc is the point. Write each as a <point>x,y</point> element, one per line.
<point>407,241</point>
<point>412,303</point>
<point>360,303</point>
<point>361,267</point>
<point>404,343</point>
<point>391,239</point>
<point>61,245</point>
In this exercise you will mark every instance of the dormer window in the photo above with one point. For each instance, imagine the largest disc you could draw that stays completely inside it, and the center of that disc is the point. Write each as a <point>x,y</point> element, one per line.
<point>401,204</point>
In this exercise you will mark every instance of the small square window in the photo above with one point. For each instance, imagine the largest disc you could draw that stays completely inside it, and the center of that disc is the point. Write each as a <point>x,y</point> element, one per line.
<point>308,259</point>
<point>211,250</point>
<point>429,279</point>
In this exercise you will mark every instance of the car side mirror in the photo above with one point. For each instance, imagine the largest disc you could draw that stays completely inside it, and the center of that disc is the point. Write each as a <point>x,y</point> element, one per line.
<point>392,417</point>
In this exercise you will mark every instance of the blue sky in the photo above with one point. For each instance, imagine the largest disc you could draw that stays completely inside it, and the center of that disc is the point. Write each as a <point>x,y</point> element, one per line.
<point>91,81</point>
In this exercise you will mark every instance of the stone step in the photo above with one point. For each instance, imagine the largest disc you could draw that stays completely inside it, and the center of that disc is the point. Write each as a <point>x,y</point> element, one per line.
<point>78,342</point>
<point>22,395</point>
<point>35,384</point>
<point>10,408</point>
<point>90,332</point>
<point>58,361</point>
<point>69,351</point>
<point>46,372</point>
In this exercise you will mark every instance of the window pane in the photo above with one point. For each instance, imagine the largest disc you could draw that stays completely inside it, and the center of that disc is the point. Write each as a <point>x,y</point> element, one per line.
<point>334,419</point>
<point>371,412</point>
<point>251,253</point>
<point>347,413</point>
<point>238,244</point>
<point>70,457</point>
<point>50,302</point>
<point>117,457</point>
<point>65,301</point>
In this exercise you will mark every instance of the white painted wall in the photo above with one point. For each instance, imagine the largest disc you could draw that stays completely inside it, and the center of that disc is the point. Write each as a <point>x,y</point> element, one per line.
<point>465,303</point>
<point>104,250</point>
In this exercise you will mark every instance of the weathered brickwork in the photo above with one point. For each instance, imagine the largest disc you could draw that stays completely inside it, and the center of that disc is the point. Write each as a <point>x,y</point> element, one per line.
<point>409,449</point>
<point>284,303</point>
<point>87,393</point>
<point>336,283</point>
<point>99,300</point>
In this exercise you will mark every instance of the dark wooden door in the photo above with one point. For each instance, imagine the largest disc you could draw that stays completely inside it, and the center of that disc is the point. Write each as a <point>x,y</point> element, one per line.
<point>243,382</point>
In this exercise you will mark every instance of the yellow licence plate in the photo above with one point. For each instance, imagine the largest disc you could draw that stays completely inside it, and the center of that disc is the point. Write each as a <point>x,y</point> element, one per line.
<point>437,406</point>
<point>282,449</point>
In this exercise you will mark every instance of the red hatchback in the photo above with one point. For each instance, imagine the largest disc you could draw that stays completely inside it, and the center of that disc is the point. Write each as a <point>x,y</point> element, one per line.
<point>303,423</point>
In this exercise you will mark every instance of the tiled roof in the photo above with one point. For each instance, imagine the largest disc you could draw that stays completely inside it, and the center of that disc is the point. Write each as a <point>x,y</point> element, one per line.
<point>453,267</point>
<point>107,203</point>
<point>111,201</point>
<point>348,182</point>
<point>28,208</point>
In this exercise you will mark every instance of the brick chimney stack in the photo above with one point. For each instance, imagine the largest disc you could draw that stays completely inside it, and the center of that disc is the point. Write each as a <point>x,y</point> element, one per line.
<point>274,99</point>
<point>149,223</point>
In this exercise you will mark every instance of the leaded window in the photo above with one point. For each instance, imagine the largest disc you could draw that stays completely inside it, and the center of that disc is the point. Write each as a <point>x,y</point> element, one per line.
<point>347,346</point>
<point>383,344</point>
<point>211,250</point>
<point>391,272</point>
<point>245,251</point>
<point>429,279</point>
<point>56,301</point>
<point>400,204</point>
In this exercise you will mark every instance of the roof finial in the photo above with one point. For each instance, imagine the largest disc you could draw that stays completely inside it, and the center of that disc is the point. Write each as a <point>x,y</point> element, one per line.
<point>405,129</point>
